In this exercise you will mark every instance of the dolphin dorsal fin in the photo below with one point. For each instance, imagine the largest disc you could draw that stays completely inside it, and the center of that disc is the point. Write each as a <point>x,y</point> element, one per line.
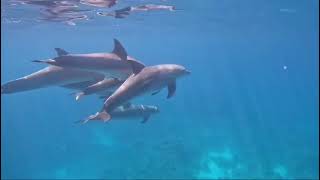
<point>61,52</point>
<point>136,66</point>
<point>119,50</point>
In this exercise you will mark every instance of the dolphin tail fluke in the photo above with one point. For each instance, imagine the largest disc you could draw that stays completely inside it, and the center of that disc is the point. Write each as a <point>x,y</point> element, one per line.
<point>104,116</point>
<point>98,116</point>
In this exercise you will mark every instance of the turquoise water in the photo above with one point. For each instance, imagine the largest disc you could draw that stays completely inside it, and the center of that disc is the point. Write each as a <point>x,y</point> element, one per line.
<point>248,110</point>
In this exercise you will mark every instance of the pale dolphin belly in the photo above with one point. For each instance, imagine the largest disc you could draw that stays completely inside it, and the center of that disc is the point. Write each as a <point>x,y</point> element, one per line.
<point>49,76</point>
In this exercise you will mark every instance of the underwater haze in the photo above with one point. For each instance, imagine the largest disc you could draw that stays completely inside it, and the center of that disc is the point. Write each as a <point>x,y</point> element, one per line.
<point>249,108</point>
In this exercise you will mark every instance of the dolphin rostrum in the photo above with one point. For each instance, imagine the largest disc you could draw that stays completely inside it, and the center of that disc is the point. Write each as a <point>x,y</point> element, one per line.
<point>131,111</point>
<point>143,80</point>
<point>112,64</point>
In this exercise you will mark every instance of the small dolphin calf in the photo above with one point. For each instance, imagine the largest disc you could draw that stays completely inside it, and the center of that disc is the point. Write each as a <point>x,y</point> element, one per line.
<point>132,111</point>
<point>143,80</point>
<point>112,64</point>
<point>108,84</point>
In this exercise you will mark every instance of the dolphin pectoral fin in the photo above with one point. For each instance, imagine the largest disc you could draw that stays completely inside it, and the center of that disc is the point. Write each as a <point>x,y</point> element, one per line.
<point>154,93</point>
<point>171,89</point>
<point>136,66</point>
<point>145,118</point>
<point>119,50</point>
<point>61,52</point>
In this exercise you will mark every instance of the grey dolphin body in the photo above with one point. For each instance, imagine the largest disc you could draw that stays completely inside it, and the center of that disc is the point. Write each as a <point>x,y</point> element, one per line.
<point>99,3</point>
<point>134,111</point>
<point>104,86</point>
<point>122,13</point>
<point>68,77</point>
<point>52,76</point>
<point>112,64</point>
<point>143,80</point>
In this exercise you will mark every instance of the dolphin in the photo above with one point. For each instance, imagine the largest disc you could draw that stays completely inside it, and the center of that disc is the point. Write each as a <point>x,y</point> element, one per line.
<point>99,3</point>
<point>71,78</point>
<point>122,13</point>
<point>108,84</point>
<point>143,80</point>
<point>149,7</point>
<point>131,111</point>
<point>37,2</point>
<point>52,76</point>
<point>68,18</point>
<point>112,64</point>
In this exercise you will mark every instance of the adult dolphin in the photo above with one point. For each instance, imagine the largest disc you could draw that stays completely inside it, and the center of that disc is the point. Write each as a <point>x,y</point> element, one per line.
<point>143,80</point>
<point>112,64</point>
<point>73,78</point>
<point>53,76</point>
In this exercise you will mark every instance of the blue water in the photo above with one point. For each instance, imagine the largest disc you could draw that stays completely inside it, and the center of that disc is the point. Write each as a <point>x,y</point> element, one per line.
<point>248,110</point>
